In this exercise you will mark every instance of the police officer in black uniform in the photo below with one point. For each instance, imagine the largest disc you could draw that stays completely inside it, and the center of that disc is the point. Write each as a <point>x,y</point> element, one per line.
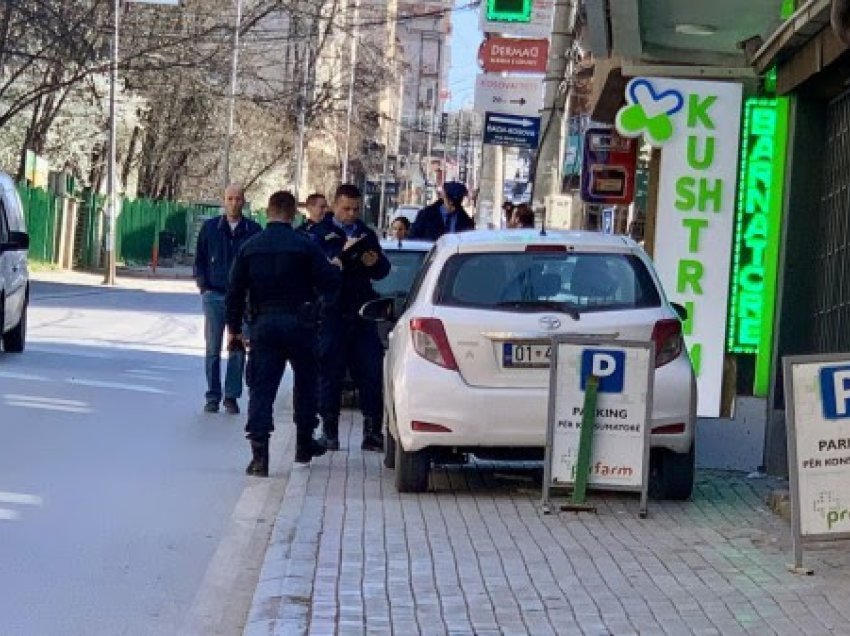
<point>345,339</point>
<point>281,274</point>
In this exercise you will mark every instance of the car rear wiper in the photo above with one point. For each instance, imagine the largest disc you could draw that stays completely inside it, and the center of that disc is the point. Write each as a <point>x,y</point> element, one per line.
<point>571,310</point>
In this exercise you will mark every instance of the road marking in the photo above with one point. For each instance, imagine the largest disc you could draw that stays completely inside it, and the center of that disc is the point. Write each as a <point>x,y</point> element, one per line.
<point>46,403</point>
<point>9,515</point>
<point>140,388</point>
<point>42,406</point>
<point>11,375</point>
<point>46,400</point>
<point>20,499</point>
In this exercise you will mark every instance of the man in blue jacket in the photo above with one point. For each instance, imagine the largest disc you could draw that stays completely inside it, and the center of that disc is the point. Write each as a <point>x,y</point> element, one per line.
<point>218,242</point>
<point>345,339</point>
<point>446,216</point>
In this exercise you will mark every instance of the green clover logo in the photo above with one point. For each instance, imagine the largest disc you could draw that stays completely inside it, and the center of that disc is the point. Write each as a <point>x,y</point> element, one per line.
<point>649,112</point>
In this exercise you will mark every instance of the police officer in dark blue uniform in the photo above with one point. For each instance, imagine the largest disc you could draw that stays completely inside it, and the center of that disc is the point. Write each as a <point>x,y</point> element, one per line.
<point>281,274</point>
<point>345,339</point>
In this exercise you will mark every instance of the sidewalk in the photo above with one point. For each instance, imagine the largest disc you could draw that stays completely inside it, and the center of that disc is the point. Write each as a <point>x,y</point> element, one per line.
<point>476,555</point>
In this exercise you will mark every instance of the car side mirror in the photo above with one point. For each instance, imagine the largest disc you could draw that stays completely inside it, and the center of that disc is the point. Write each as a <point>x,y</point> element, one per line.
<point>680,310</point>
<point>18,241</point>
<point>379,310</point>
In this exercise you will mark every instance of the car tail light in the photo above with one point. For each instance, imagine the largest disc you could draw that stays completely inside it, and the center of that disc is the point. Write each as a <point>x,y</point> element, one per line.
<point>430,342</point>
<point>427,427</point>
<point>669,429</point>
<point>667,336</point>
<point>545,248</point>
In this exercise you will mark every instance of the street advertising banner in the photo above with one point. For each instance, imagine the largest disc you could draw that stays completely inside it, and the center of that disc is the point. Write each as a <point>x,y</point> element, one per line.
<point>620,446</point>
<point>696,124</point>
<point>609,164</point>
<point>817,397</point>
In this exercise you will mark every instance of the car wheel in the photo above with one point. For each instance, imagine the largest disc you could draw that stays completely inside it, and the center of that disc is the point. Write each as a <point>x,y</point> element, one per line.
<point>389,449</point>
<point>672,476</point>
<point>411,469</point>
<point>15,340</point>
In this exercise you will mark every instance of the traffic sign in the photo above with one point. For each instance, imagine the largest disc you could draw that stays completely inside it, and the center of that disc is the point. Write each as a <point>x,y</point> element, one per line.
<point>513,55</point>
<point>512,95</point>
<point>511,130</point>
<point>540,25</point>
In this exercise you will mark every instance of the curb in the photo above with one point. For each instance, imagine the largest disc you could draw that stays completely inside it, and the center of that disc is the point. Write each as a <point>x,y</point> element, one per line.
<point>164,273</point>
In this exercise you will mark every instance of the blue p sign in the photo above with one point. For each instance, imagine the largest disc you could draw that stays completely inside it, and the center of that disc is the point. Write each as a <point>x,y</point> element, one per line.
<point>608,365</point>
<point>835,392</point>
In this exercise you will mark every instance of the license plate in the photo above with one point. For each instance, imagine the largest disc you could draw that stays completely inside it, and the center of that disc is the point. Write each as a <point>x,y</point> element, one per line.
<point>517,355</point>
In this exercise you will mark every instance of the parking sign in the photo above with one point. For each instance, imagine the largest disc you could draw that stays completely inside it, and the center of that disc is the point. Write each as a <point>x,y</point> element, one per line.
<point>817,394</point>
<point>620,447</point>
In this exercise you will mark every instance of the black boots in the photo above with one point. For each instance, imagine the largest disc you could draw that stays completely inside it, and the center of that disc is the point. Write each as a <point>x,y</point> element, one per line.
<point>259,466</point>
<point>306,448</point>
<point>330,428</point>
<point>373,436</point>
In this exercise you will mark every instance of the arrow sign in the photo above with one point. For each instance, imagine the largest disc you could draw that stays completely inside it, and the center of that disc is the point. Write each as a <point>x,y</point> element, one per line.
<point>509,130</point>
<point>509,95</point>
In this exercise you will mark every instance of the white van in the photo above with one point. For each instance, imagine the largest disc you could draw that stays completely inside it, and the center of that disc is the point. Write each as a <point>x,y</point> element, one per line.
<point>14,274</point>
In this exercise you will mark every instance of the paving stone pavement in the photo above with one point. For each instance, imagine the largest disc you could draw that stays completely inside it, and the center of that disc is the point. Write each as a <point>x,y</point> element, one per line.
<point>476,555</point>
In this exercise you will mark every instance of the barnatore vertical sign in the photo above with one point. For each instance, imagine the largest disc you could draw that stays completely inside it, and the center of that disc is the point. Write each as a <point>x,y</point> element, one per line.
<point>697,126</point>
<point>757,233</point>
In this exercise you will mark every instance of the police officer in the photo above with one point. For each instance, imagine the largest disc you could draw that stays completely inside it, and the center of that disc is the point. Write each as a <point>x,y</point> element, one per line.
<point>317,209</point>
<point>281,274</point>
<point>345,339</point>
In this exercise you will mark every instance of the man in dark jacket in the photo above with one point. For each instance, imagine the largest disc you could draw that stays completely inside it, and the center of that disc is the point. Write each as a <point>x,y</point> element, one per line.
<point>443,217</point>
<point>345,339</point>
<point>218,242</point>
<point>280,274</point>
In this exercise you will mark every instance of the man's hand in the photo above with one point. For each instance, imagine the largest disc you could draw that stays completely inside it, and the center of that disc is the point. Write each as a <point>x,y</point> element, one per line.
<point>369,258</point>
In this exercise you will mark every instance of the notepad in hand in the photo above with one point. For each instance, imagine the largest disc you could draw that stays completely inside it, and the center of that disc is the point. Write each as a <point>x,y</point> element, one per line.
<point>353,254</point>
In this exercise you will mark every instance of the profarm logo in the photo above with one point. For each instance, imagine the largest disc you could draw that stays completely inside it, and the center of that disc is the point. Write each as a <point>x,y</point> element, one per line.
<point>832,510</point>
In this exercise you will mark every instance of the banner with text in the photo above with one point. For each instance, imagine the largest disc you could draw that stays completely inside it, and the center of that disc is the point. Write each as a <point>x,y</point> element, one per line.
<point>697,125</point>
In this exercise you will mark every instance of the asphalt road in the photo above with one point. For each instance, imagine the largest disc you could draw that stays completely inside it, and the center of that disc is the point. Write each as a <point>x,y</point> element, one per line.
<point>123,507</point>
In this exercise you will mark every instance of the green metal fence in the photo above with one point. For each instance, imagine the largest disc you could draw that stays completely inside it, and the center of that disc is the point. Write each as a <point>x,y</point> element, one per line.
<point>42,213</point>
<point>139,226</point>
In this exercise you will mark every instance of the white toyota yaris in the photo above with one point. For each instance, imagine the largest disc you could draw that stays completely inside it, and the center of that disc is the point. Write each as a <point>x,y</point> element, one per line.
<point>466,371</point>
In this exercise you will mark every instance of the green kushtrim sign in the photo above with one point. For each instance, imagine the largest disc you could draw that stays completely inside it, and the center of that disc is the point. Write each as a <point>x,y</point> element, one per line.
<point>756,245</point>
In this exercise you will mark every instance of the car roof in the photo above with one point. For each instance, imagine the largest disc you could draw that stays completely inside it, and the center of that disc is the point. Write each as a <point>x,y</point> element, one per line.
<point>495,240</point>
<point>406,246</point>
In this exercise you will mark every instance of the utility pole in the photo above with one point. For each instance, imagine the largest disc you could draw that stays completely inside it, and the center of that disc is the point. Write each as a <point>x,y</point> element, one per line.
<point>302,119</point>
<point>112,199</point>
<point>234,62</point>
<point>459,140</point>
<point>557,85</point>
<point>433,116</point>
<point>352,77</point>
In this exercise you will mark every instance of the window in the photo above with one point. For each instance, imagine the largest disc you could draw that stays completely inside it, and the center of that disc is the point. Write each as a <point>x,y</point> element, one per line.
<point>404,265</point>
<point>523,281</point>
<point>420,277</point>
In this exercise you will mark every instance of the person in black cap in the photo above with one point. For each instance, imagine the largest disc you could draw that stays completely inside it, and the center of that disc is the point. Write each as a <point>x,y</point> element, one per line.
<point>280,274</point>
<point>443,217</point>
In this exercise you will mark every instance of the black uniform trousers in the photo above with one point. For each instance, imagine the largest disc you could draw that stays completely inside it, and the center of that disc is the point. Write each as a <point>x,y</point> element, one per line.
<point>279,338</point>
<point>353,343</point>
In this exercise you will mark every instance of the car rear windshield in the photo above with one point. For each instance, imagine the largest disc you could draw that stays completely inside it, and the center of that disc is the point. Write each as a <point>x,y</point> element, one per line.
<point>534,281</point>
<point>403,268</point>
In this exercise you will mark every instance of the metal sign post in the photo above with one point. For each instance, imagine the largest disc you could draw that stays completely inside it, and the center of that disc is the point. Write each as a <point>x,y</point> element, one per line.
<point>621,375</point>
<point>817,396</point>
